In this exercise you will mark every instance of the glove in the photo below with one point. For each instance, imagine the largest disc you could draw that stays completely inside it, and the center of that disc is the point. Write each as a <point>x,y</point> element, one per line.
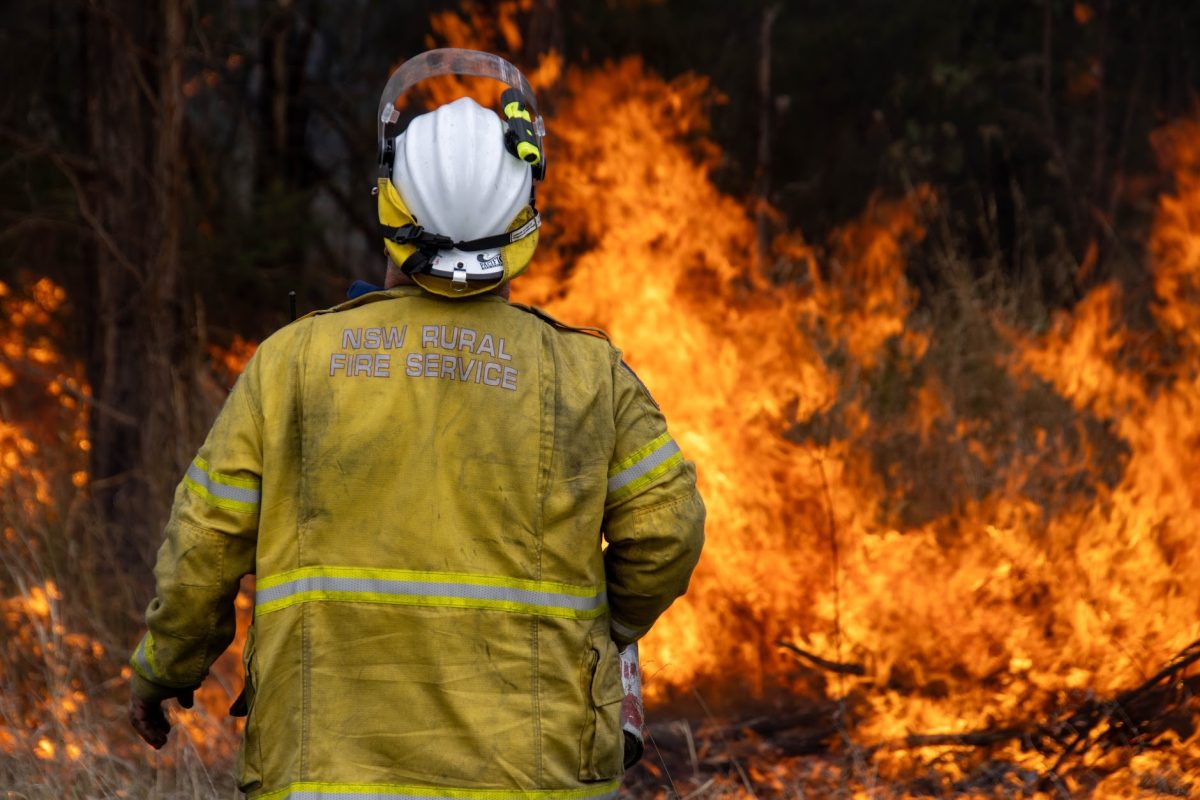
<point>633,721</point>
<point>148,719</point>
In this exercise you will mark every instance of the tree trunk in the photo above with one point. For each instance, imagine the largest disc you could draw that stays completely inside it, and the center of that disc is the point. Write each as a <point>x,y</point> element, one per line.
<point>762,172</point>
<point>142,321</point>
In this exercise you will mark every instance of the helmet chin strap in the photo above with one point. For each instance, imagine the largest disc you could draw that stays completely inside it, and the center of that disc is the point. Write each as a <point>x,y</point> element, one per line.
<point>428,244</point>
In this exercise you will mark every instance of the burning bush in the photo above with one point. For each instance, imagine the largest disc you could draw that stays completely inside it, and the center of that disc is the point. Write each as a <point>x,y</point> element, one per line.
<point>68,613</point>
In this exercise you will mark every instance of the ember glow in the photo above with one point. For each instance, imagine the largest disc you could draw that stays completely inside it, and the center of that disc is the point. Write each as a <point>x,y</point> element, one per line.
<point>31,419</point>
<point>46,665</point>
<point>62,687</point>
<point>42,718</point>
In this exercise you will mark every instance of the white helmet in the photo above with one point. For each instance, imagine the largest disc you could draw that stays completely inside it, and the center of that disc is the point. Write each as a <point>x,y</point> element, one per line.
<point>456,194</point>
<point>457,178</point>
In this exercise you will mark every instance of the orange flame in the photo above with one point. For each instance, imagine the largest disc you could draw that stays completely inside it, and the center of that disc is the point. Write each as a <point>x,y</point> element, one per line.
<point>497,31</point>
<point>726,352</point>
<point>230,361</point>
<point>28,355</point>
<point>57,701</point>
<point>1007,604</point>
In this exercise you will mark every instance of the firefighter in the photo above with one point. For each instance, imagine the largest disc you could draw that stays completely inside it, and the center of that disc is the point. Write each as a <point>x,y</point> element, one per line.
<point>422,481</point>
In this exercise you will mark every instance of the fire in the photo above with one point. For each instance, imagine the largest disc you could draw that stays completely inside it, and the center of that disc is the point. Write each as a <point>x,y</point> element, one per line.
<point>45,749</point>
<point>44,693</point>
<point>28,355</point>
<point>731,356</point>
<point>469,29</point>
<point>230,361</point>
<point>45,665</point>
<point>1006,602</point>
<point>1000,599</point>
<point>63,687</point>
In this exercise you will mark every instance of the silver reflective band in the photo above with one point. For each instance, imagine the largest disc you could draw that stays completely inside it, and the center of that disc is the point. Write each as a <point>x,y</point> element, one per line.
<point>222,491</point>
<point>142,660</point>
<point>621,630</point>
<point>466,591</point>
<point>632,473</point>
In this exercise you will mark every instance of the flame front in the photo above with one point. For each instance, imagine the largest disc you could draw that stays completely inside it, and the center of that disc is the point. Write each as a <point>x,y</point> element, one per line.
<point>660,259</point>
<point>1009,599</point>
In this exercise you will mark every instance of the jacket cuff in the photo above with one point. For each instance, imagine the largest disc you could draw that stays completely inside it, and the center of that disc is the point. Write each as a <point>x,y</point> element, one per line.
<point>152,692</point>
<point>625,635</point>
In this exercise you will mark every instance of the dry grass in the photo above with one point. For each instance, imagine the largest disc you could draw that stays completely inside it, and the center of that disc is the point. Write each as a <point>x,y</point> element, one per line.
<point>69,618</point>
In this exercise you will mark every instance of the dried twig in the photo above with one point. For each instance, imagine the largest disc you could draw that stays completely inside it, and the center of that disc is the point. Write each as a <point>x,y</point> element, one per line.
<point>663,761</point>
<point>1114,713</point>
<point>1073,733</point>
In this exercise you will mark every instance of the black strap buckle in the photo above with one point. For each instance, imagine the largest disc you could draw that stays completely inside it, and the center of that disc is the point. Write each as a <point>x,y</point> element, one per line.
<point>415,234</point>
<point>407,234</point>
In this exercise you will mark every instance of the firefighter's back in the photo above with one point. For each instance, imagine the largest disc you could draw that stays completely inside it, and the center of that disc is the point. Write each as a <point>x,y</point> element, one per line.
<point>430,605</point>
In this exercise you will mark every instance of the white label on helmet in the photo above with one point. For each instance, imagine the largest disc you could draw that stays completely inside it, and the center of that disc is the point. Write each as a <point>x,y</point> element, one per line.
<point>490,261</point>
<point>526,229</point>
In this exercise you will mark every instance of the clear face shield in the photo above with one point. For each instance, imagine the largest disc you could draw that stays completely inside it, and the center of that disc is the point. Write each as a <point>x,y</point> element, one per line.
<point>526,128</point>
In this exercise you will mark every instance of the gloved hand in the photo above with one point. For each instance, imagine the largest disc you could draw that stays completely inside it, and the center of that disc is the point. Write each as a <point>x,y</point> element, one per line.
<point>633,722</point>
<point>148,719</point>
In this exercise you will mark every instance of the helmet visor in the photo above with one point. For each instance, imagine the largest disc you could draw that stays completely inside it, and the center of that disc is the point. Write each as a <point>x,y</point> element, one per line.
<point>453,61</point>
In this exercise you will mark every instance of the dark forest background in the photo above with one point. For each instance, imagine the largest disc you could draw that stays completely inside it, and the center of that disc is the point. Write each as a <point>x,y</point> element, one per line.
<point>179,166</point>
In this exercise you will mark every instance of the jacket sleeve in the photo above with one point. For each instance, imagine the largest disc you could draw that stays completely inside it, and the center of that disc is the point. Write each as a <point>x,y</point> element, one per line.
<point>210,544</point>
<point>654,517</point>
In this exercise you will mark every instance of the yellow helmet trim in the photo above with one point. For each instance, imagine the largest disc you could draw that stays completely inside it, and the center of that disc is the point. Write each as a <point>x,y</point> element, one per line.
<point>515,256</point>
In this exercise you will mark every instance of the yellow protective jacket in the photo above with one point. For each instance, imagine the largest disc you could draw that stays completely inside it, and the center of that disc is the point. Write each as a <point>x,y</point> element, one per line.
<point>421,487</point>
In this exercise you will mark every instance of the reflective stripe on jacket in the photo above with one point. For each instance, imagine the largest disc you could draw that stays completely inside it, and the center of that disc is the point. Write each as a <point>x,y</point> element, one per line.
<point>422,487</point>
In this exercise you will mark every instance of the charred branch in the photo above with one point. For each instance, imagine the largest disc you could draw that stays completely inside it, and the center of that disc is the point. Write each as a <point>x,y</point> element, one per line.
<point>1139,717</point>
<point>836,667</point>
<point>1132,717</point>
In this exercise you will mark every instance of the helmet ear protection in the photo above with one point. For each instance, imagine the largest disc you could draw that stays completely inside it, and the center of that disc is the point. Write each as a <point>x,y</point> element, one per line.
<point>526,130</point>
<point>437,262</point>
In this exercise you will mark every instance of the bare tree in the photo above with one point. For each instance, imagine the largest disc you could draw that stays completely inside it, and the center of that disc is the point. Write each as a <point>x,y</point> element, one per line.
<point>142,321</point>
<point>762,172</point>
